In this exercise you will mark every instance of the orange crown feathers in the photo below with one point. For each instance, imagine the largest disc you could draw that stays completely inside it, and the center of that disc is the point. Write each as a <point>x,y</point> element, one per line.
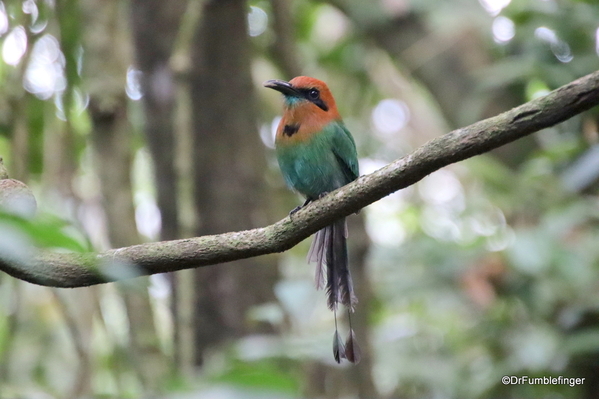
<point>306,83</point>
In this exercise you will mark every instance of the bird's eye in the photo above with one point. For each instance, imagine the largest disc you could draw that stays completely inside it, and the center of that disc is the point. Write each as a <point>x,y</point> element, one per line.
<point>313,94</point>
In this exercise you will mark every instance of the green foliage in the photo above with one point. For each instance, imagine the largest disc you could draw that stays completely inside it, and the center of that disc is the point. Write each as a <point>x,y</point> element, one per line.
<point>574,40</point>
<point>45,231</point>
<point>36,110</point>
<point>278,375</point>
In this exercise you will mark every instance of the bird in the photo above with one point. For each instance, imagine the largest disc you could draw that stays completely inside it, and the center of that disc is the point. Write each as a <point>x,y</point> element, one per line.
<point>317,154</point>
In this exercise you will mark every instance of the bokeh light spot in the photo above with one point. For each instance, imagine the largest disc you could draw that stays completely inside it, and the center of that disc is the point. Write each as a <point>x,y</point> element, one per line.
<point>562,51</point>
<point>560,48</point>
<point>268,132</point>
<point>44,75</point>
<point>330,26</point>
<point>494,7</point>
<point>133,85</point>
<point>503,29</point>
<point>257,21</point>
<point>390,116</point>
<point>29,7</point>
<point>147,217</point>
<point>14,46</point>
<point>440,187</point>
<point>546,34</point>
<point>3,19</point>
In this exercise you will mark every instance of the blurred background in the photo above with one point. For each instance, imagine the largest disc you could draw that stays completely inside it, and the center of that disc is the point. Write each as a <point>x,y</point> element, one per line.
<point>144,120</point>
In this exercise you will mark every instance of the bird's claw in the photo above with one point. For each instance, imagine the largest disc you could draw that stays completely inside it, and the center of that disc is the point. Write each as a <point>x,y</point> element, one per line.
<point>294,211</point>
<point>297,208</point>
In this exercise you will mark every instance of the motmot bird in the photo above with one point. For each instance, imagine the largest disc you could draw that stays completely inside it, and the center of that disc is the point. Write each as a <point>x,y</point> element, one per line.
<point>317,154</point>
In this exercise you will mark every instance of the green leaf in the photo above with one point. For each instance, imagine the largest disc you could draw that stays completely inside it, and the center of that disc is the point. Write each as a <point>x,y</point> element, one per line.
<point>48,231</point>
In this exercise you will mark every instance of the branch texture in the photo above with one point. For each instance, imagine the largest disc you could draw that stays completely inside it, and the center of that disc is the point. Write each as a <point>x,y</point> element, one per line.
<point>78,270</point>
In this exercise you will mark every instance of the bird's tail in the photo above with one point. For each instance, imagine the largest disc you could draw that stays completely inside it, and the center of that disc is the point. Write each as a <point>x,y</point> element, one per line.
<point>329,250</point>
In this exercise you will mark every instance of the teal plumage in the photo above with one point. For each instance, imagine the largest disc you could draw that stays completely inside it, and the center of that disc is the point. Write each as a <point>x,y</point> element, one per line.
<point>321,164</point>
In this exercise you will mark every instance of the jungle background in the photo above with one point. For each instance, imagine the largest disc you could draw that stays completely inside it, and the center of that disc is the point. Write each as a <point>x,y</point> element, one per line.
<point>146,120</point>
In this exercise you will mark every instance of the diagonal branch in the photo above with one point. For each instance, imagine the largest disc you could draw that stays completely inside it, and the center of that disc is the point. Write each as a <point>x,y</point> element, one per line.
<point>78,270</point>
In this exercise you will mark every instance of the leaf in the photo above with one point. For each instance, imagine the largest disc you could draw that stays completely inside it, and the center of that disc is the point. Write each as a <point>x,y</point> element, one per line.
<point>48,231</point>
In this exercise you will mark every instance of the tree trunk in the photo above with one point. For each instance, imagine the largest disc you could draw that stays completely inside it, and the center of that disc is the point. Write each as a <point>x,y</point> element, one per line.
<point>108,59</point>
<point>155,25</point>
<point>283,49</point>
<point>228,171</point>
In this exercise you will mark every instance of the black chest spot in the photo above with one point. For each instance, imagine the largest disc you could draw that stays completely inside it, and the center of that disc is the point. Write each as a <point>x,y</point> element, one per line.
<point>290,130</point>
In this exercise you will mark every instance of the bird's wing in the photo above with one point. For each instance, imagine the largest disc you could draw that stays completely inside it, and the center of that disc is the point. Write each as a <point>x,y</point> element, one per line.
<point>344,148</point>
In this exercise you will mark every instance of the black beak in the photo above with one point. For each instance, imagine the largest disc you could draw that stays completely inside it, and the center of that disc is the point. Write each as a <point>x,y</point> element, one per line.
<point>284,87</point>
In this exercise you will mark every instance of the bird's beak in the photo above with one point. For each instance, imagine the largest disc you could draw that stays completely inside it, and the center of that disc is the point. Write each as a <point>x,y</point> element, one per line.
<point>284,87</point>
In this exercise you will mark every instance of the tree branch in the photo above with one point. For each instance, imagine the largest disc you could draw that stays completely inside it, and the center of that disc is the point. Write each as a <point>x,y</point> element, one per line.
<point>78,270</point>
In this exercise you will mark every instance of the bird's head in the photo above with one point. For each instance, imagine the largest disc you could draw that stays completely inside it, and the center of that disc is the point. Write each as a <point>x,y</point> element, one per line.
<point>304,91</point>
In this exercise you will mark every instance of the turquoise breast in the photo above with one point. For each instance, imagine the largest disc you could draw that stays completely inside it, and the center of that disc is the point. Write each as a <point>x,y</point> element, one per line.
<point>311,167</point>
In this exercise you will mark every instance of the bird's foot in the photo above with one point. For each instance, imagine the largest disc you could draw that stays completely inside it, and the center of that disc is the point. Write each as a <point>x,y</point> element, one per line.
<point>308,200</point>
<point>297,208</point>
<point>294,211</point>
